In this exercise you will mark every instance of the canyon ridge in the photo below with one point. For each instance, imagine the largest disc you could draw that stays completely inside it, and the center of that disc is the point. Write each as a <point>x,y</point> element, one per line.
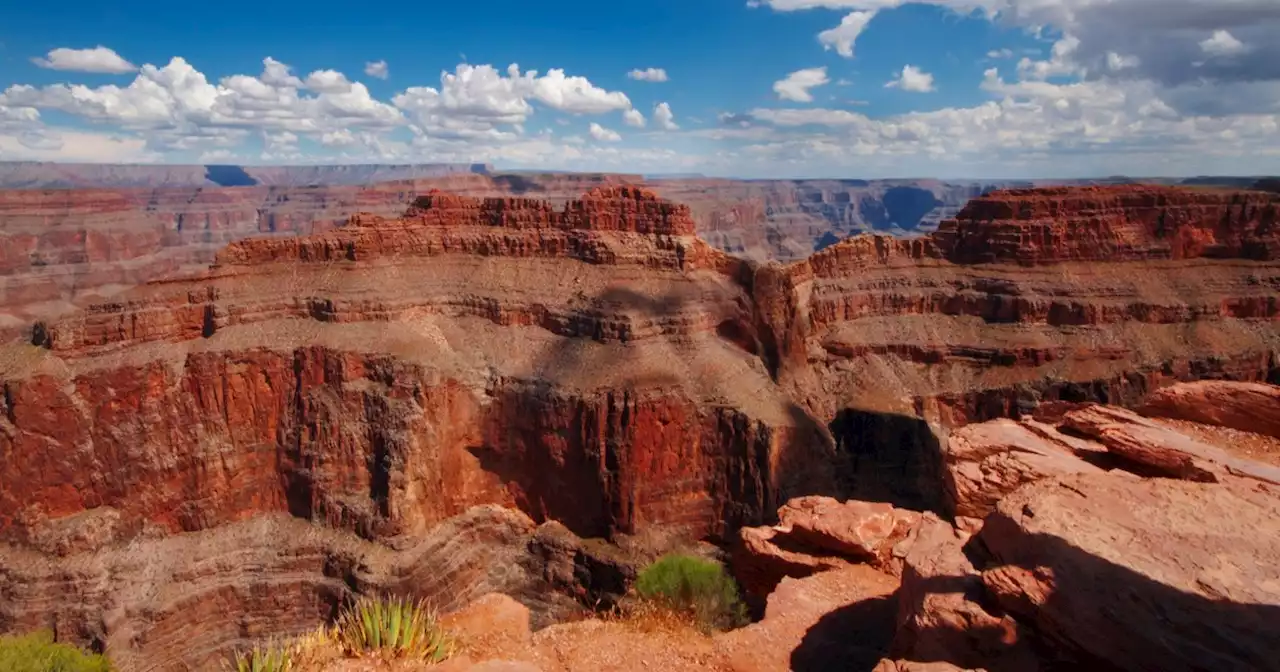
<point>998,443</point>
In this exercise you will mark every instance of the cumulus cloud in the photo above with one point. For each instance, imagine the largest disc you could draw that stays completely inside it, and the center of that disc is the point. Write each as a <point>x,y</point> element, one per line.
<point>1213,46</point>
<point>663,117</point>
<point>1222,43</point>
<point>633,118</point>
<point>98,60</point>
<point>377,69</point>
<point>842,37</point>
<point>796,86</point>
<point>328,81</point>
<point>648,75</point>
<point>912,79</point>
<point>481,101</point>
<point>603,134</point>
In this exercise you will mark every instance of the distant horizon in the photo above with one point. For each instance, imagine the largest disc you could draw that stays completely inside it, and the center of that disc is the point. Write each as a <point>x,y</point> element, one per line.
<point>741,89</point>
<point>496,169</point>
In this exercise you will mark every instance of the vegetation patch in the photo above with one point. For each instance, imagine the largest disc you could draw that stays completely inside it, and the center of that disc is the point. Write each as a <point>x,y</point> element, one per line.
<point>271,657</point>
<point>393,628</point>
<point>696,587</point>
<point>37,652</point>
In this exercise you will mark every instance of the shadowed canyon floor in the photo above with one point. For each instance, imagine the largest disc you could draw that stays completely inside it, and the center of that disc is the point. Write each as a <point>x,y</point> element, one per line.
<point>465,399</point>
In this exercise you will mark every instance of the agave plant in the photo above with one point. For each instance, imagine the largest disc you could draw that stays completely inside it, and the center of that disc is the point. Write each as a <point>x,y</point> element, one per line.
<point>394,627</point>
<point>268,658</point>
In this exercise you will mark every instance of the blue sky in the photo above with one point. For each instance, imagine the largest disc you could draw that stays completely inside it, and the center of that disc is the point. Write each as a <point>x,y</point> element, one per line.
<point>1000,88</point>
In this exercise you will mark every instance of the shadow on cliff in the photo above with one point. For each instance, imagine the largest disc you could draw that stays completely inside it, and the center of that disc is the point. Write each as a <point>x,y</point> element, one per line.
<point>565,448</point>
<point>886,457</point>
<point>1099,616</point>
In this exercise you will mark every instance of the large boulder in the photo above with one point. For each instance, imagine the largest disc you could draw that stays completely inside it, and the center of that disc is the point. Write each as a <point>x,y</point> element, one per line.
<point>1135,574</point>
<point>817,534</point>
<point>940,617</point>
<point>1154,448</point>
<point>986,461</point>
<point>1248,407</point>
<point>836,620</point>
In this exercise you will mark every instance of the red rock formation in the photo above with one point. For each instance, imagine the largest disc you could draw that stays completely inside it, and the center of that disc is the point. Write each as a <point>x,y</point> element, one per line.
<point>594,364</point>
<point>1165,574</point>
<point>817,534</point>
<point>1242,406</point>
<point>1037,226</point>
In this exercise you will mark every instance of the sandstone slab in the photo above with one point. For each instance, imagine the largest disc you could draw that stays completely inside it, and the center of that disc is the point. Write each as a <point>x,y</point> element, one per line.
<point>816,534</point>
<point>1143,575</point>
<point>1248,407</point>
<point>841,619</point>
<point>986,461</point>
<point>1159,449</point>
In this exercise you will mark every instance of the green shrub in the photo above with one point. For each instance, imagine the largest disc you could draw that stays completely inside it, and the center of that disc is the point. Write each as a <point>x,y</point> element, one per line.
<point>37,652</point>
<point>395,628</point>
<point>270,657</point>
<point>696,586</point>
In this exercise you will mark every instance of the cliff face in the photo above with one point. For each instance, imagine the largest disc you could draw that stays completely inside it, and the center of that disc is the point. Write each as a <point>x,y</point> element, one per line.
<point>592,363</point>
<point>67,242</point>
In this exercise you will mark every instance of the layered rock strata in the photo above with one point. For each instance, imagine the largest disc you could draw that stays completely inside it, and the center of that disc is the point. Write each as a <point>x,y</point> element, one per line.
<point>598,365</point>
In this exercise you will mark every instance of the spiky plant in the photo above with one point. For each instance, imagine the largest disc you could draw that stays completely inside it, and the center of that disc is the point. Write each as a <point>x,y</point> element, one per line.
<point>394,627</point>
<point>270,657</point>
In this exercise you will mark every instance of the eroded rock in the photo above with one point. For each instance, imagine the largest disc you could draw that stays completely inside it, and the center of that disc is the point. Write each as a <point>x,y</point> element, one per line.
<point>1248,407</point>
<point>1154,448</point>
<point>1143,574</point>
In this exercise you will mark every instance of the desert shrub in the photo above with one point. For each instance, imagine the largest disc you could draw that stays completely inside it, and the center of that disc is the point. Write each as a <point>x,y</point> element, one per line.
<point>696,586</point>
<point>37,652</point>
<point>395,628</point>
<point>271,657</point>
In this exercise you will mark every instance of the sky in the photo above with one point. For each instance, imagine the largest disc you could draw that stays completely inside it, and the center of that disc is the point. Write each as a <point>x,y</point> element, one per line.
<point>737,88</point>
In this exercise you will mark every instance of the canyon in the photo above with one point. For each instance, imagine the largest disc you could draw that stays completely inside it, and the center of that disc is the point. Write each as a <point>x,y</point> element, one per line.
<point>74,235</point>
<point>438,391</point>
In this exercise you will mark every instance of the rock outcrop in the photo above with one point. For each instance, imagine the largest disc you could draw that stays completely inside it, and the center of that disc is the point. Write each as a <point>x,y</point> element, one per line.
<point>1241,406</point>
<point>595,364</point>
<point>1143,585</point>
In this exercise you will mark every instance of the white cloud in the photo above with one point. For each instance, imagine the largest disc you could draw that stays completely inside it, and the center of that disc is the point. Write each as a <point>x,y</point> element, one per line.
<point>74,146</point>
<point>912,79</point>
<point>478,101</point>
<point>797,84</point>
<point>98,59</point>
<point>1222,43</point>
<point>633,118</point>
<point>339,138</point>
<point>328,81</point>
<point>648,75</point>
<point>377,69</point>
<point>603,134</point>
<point>1116,62</point>
<point>842,37</point>
<point>1000,53</point>
<point>663,117</point>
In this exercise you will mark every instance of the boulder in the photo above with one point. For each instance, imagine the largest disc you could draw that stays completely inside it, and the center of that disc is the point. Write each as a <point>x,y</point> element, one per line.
<point>816,534</point>
<point>836,620</point>
<point>939,615</point>
<point>1152,448</point>
<point>860,530</point>
<point>1248,407</point>
<point>492,627</point>
<point>1142,574</point>
<point>984,462</point>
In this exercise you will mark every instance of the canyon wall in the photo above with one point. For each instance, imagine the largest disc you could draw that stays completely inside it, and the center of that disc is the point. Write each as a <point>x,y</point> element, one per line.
<point>62,249</point>
<point>486,366</point>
